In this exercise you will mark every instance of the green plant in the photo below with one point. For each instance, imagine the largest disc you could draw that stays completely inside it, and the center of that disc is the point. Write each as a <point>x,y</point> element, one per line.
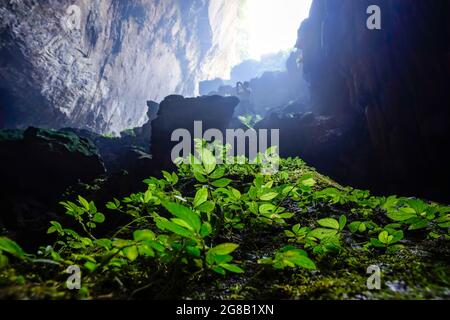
<point>417,215</point>
<point>187,227</point>
<point>12,248</point>
<point>387,239</point>
<point>298,233</point>
<point>85,213</point>
<point>328,236</point>
<point>289,257</point>
<point>362,226</point>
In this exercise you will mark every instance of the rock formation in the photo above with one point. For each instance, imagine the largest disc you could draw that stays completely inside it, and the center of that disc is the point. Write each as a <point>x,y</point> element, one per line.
<point>176,112</point>
<point>393,80</point>
<point>38,166</point>
<point>93,64</point>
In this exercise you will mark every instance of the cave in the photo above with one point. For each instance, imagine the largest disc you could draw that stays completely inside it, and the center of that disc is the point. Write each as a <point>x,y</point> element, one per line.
<point>224,149</point>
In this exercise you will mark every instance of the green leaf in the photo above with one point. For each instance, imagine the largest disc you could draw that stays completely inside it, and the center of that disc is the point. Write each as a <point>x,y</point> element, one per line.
<point>329,223</point>
<point>402,214</point>
<point>218,173</point>
<point>175,178</point>
<point>384,237</point>
<point>143,235</point>
<point>206,230</point>
<point>307,181</point>
<point>265,261</point>
<point>11,247</point>
<point>296,228</point>
<point>131,253</point>
<point>195,251</point>
<point>148,196</point>
<point>105,243</point>
<point>377,243</point>
<point>200,177</point>
<point>111,206</point>
<point>167,176</point>
<point>221,183</point>
<point>267,208</point>
<point>289,234</point>
<point>444,225</point>
<point>268,196</point>
<point>219,270</point>
<point>91,266</point>
<point>56,226</point>
<point>342,222</point>
<point>390,202</point>
<point>146,250</point>
<point>362,227</point>
<point>321,233</point>
<point>99,217</point>
<point>165,224</point>
<point>200,197</point>
<point>206,207</point>
<point>396,236</point>
<point>232,268</point>
<point>354,226</point>
<point>183,224</point>
<point>303,261</point>
<point>3,261</point>
<point>84,202</point>
<point>224,249</point>
<point>208,160</point>
<point>184,213</point>
<point>236,193</point>
<point>419,224</point>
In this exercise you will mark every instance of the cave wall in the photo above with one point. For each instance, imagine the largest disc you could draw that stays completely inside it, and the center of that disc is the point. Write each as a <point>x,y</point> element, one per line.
<point>100,75</point>
<point>395,80</point>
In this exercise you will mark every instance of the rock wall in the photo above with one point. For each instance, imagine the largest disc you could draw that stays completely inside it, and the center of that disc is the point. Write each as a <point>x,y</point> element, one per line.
<point>395,80</point>
<point>96,64</point>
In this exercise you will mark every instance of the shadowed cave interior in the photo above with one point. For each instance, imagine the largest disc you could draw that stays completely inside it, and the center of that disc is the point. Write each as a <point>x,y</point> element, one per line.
<point>91,93</point>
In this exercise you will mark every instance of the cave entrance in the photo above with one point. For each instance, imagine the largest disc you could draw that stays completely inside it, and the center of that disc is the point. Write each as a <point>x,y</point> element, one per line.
<point>271,25</point>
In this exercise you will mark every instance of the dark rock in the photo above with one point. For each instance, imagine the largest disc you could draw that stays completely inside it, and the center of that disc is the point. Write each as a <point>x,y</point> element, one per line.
<point>394,81</point>
<point>327,142</point>
<point>177,112</point>
<point>124,152</point>
<point>38,166</point>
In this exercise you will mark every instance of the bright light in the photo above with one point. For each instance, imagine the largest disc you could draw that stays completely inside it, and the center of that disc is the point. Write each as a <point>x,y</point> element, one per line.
<point>272,25</point>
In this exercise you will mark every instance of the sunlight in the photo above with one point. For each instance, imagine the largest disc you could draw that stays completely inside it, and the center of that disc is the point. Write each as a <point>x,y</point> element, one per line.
<point>272,25</point>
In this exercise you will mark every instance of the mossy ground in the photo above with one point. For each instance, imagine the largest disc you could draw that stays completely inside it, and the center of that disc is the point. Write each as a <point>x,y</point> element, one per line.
<point>419,270</point>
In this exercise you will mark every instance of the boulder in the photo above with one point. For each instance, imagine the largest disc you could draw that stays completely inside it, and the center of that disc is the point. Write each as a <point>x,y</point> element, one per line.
<point>177,112</point>
<point>38,166</point>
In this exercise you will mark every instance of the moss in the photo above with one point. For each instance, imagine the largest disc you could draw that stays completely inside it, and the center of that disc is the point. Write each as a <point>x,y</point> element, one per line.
<point>418,271</point>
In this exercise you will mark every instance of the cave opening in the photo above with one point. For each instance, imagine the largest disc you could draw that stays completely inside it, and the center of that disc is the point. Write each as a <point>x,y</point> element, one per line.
<point>272,25</point>
<point>267,34</point>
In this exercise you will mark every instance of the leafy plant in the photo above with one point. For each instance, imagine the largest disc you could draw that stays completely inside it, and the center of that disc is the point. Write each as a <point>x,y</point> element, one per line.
<point>289,257</point>
<point>298,233</point>
<point>12,248</point>
<point>327,238</point>
<point>388,239</point>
